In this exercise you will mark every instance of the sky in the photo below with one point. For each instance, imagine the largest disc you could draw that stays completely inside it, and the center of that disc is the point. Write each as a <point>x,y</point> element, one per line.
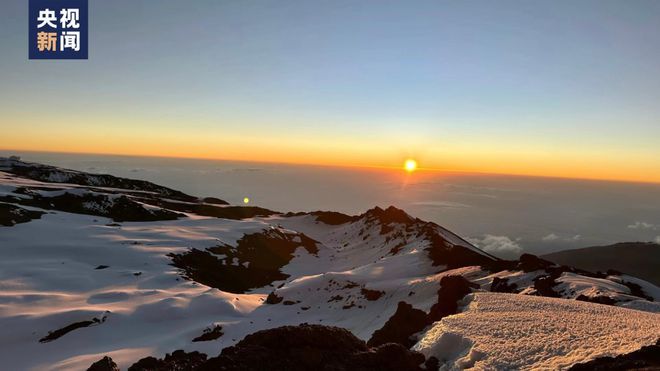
<point>550,88</point>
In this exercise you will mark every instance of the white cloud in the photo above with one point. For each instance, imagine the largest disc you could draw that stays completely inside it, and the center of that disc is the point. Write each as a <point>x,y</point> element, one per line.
<point>497,244</point>
<point>642,225</point>
<point>554,237</point>
<point>550,237</point>
<point>657,239</point>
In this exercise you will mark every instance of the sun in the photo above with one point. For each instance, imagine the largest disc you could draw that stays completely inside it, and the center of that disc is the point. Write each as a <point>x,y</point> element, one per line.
<point>410,165</point>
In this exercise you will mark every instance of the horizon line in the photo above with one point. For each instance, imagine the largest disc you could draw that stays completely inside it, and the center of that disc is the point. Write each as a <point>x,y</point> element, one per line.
<point>349,166</point>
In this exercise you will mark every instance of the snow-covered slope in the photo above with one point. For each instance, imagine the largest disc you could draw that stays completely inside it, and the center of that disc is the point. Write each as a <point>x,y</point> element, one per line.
<point>94,265</point>
<point>499,331</point>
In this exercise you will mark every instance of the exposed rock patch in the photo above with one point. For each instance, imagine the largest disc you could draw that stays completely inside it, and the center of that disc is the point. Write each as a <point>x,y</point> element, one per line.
<point>399,328</point>
<point>11,215</point>
<point>178,360</point>
<point>333,218</point>
<point>293,348</point>
<point>210,334</point>
<point>255,261</point>
<point>371,295</point>
<point>407,321</point>
<point>119,208</point>
<point>56,334</point>
<point>502,285</point>
<point>452,289</point>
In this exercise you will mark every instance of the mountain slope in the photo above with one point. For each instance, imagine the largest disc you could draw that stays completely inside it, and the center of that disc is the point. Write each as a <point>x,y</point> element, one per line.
<point>80,283</point>
<point>639,259</point>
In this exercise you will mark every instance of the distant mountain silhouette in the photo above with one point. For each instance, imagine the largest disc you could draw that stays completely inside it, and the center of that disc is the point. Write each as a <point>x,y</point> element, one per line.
<point>639,259</point>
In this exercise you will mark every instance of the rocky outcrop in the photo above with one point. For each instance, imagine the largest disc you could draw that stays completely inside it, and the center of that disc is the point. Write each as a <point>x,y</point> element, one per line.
<point>255,261</point>
<point>56,334</point>
<point>503,285</point>
<point>119,208</point>
<point>11,215</point>
<point>452,290</point>
<point>646,358</point>
<point>104,364</point>
<point>400,328</point>
<point>177,361</point>
<point>408,321</point>
<point>210,334</point>
<point>53,174</point>
<point>333,217</point>
<point>294,348</point>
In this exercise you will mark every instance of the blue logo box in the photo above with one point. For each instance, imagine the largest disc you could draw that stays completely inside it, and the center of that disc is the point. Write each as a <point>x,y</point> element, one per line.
<point>58,29</point>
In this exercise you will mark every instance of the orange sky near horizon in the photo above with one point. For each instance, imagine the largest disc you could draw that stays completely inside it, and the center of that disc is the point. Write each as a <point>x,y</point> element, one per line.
<point>467,158</point>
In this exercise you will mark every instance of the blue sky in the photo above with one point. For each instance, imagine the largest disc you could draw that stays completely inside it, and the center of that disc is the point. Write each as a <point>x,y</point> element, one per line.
<point>513,77</point>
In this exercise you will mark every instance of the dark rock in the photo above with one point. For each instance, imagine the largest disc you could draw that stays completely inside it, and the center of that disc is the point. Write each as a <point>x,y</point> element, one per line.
<point>452,289</point>
<point>502,285</point>
<point>451,256</point>
<point>210,334</point>
<point>636,290</point>
<point>371,295</point>
<point>214,201</point>
<point>224,212</point>
<point>179,360</point>
<point>104,364</point>
<point>333,218</point>
<point>646,358</point>
<point>597,299</point>
<point>11,215</point>
<point>56,334</point>
<point>529,263</point>
<point>544,286</point>
<point>102,267</point>
<point>272,298</point>
<point>405,322</point>
<point>388,216</point>
<point>259,257</point>
<point>432,364</point>
<point>120,209</point>
<point>312,347</point>
<point>408,321</point>
<point>294,348</point>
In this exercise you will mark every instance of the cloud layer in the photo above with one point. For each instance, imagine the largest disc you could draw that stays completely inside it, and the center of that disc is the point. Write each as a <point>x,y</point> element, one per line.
<point>497,244</point>
<point>643,225</point>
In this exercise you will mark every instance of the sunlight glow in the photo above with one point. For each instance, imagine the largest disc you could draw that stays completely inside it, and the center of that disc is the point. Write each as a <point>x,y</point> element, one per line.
<point>410,165</point>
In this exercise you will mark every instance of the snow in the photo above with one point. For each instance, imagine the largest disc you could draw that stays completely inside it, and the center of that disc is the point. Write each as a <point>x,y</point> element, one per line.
<point>648,288</point>
<point>48,280</point>
<point>571,285</point>
<point>511,331</point>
